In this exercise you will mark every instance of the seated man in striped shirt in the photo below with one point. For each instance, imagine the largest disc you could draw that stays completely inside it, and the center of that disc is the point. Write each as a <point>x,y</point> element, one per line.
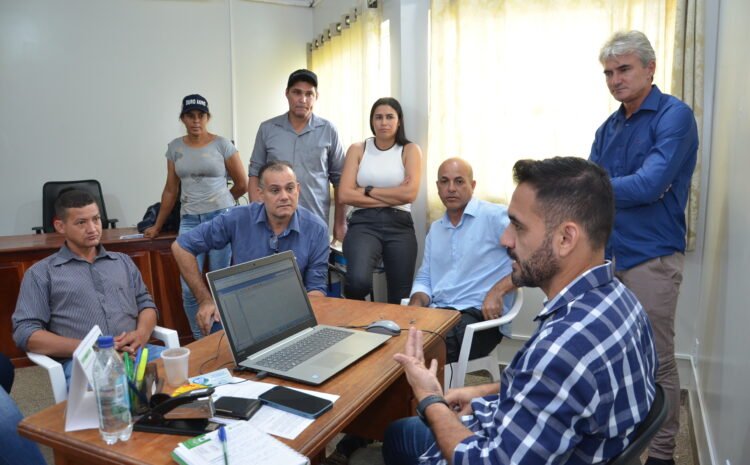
<point>577,389</point>
<point>81,285</point>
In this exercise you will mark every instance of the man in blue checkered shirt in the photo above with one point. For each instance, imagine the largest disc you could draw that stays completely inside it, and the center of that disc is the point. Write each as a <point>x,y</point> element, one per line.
<point>576,391</point>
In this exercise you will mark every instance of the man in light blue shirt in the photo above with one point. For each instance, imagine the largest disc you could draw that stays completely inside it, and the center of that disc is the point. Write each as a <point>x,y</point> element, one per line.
<point>464,266</point>
<point>255,231</point>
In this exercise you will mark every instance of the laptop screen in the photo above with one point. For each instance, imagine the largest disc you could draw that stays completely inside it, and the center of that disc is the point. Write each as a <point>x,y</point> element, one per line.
<point>261,302</point>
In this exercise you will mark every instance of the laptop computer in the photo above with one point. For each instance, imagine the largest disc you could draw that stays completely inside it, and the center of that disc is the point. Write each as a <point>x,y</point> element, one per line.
<point>266,314</point>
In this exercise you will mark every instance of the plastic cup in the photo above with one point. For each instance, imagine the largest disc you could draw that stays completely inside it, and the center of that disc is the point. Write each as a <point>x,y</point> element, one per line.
<point>176,365</point>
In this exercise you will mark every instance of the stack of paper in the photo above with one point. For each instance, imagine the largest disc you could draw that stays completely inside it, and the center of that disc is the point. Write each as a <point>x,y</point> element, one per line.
<point>241,438</point>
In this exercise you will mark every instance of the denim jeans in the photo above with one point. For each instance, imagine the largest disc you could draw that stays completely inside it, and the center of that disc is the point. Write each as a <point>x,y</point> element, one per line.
<point>405,441</point>
<point>377,234</point>
<point>217,259</point>
<point>13,448</point>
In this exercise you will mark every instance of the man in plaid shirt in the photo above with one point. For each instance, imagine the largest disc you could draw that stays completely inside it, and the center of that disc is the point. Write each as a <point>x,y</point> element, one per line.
<point>576,391</point>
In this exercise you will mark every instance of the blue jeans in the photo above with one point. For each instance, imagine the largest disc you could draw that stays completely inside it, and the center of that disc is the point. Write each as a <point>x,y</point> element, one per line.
<point>405,441</point>
<point>13,448</point>
<point>217,259</point>
<point>375,234</point>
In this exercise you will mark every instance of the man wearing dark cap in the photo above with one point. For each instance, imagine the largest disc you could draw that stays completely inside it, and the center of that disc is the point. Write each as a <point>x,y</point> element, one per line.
<point>307,141</point>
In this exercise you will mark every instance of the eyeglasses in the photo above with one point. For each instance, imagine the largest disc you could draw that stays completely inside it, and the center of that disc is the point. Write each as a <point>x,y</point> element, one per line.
<point>273,243</point>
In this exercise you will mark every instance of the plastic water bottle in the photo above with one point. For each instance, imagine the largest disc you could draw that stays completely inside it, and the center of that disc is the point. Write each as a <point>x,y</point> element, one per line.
<point>111,387</point>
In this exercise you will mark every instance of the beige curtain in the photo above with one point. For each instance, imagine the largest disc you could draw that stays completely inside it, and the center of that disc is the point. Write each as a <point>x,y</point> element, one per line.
<point>515,79</point>
<point>353,70</point>
<point>687,84</point>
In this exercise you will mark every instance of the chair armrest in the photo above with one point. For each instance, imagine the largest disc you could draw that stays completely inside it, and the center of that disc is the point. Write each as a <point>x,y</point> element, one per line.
<point>168,336</point>
<point>56,375</point>
<point>112,222</point>
<point>507,317</point>
<point>38,229</point>
<point>463,356</point>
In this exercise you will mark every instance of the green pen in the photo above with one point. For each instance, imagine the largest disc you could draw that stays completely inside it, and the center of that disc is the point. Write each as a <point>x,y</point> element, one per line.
<point>128,373</point>
<point>128,366</point>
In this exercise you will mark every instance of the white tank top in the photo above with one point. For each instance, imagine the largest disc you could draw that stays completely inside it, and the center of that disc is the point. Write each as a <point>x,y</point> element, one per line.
<point>382,168</point>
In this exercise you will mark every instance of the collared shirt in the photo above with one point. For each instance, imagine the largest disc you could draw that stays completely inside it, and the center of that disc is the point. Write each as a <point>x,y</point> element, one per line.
<point>67,295</point>
<point>247,229</point>
<point>315,153</point>
<point>650,158</point>
<point>461,263</point>
<point>576,390</point>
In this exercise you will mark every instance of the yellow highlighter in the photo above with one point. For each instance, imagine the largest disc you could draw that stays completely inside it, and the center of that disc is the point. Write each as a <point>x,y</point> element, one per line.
<point>141,369</point>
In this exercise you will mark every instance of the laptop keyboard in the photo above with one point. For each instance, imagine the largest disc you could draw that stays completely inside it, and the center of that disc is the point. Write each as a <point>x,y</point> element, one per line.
<point>294,354</point>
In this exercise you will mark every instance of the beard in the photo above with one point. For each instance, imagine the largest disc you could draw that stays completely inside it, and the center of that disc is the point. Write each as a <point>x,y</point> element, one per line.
<point>538,269</point>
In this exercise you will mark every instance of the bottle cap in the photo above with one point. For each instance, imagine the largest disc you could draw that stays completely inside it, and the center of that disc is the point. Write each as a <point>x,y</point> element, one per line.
<point>105,342</point>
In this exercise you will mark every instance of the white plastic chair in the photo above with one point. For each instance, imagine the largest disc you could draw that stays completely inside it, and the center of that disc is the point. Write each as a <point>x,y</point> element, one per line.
<point>55,369</point>
<point>490,362</point>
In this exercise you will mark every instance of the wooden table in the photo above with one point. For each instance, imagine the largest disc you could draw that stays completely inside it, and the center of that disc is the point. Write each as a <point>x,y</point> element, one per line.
<point>152,257</point>
<point>373,392</point>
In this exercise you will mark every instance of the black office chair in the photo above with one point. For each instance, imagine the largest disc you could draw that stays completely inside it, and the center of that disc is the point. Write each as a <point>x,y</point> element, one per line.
<point>646,430</point>
<point>52,190</point>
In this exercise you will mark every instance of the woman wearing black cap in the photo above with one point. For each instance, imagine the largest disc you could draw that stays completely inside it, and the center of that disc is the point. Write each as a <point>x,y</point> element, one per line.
<point>197,167</point>
<point>381,180</point>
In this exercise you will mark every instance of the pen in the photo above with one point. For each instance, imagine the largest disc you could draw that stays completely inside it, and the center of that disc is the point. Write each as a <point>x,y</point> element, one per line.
<point>128,365</point>
<point>135,392</point>
<point>223,439</point>
<point>128,373</point>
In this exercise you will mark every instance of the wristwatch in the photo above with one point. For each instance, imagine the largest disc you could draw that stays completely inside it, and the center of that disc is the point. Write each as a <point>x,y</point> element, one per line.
<point>367,191</point>
<point>426,402</point>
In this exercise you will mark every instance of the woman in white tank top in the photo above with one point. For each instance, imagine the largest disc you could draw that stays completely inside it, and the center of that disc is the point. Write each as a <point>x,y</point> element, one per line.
<point>380,180</point>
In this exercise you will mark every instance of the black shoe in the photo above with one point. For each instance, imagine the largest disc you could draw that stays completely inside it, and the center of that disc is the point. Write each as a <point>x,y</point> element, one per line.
<point>655,461</point>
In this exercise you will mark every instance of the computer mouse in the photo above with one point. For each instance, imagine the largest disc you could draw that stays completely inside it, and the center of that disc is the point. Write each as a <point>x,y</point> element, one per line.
<point>384,327</point>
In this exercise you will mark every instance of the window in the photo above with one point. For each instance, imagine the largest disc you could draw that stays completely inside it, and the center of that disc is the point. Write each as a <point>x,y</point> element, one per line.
<point>353,69</point>
<point>521,79</point>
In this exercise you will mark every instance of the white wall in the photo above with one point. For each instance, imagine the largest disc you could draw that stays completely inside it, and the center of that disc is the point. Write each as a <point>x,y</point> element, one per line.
<point>92,89</point>
<point>269,43</point>
<point>723,365</point>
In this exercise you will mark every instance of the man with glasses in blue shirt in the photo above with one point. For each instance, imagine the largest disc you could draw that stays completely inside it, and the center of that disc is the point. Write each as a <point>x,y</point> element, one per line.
<point>257,230</point>
<point>649,149</point>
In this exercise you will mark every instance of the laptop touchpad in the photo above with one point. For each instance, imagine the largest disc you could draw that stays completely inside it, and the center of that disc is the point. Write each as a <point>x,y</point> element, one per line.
<point>332,359</point>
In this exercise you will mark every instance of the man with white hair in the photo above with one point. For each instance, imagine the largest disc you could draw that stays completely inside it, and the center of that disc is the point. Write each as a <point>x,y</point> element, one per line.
<point>648,147</point>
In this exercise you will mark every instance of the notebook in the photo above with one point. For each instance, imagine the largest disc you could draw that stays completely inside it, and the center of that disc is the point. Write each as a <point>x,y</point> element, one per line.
<point>266,314</point>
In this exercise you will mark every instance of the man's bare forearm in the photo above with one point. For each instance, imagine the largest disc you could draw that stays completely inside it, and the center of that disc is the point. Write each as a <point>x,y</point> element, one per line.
<point>188,266</point>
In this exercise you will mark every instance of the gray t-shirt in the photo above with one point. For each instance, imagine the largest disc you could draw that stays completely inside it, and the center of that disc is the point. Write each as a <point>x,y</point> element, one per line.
<point>203,174</point>
<point>315,153</point>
